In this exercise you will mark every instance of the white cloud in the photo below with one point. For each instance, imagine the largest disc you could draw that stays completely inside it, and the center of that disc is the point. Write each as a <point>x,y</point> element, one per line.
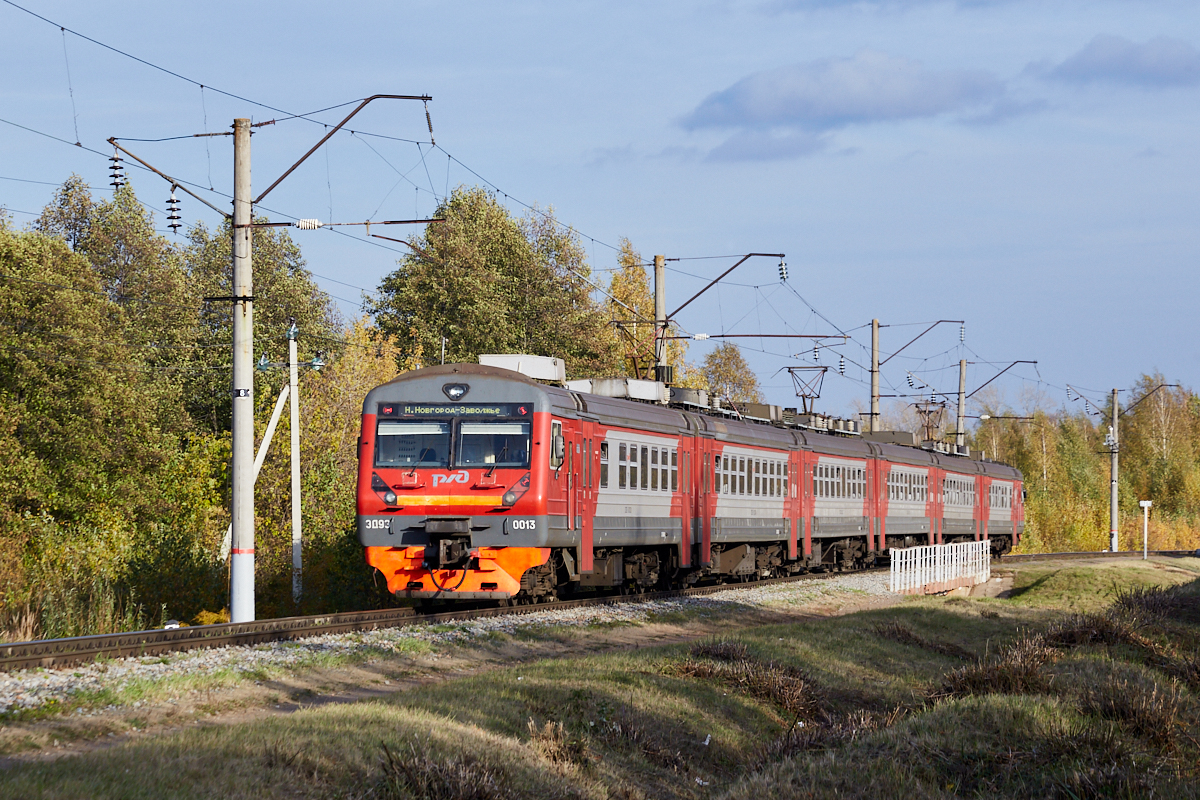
<point>1161,61</point>
<point>834,92</point>
<point>764,146</point>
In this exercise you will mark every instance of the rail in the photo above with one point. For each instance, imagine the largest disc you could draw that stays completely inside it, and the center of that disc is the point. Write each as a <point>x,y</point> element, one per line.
<point>48,653</point>
<point>1011,558</point>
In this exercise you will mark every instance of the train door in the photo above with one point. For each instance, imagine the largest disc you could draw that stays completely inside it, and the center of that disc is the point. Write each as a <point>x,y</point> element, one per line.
<point>790,504</point>
<point>685,501</point>
<point>804,461</point>
<point>937,505</point>
<point>705,503</point>
<point>588,477</point>
<point>983,506</point>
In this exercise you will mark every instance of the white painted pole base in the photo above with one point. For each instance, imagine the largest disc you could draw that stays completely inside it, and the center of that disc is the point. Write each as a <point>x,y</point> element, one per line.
<point>241,585</point>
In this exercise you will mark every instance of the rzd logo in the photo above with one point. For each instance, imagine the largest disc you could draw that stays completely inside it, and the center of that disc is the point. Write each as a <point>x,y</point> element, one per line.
<point>462,476</point>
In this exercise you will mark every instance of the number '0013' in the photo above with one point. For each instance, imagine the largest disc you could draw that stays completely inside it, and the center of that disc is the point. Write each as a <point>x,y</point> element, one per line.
<point>523,524</point>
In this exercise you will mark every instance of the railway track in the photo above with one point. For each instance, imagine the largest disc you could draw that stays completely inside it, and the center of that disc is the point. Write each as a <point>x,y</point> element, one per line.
<point>47,653</point>
<point>1088,555</point>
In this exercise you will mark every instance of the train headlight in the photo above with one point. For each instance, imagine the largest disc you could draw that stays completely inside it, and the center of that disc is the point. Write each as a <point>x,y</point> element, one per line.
<point>510,498</point>
<point>390,498</point>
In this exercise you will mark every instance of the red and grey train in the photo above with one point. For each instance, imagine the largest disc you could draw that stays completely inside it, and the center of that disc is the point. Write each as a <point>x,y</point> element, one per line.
<point>480,483</point>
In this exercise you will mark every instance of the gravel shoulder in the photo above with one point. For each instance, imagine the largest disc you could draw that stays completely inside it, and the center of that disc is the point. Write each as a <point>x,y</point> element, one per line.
<point>50,713</point>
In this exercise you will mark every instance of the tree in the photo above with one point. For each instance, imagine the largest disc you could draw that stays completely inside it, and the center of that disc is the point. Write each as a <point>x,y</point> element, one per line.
<point>489,283</point>
<point>284,289</point>
<point>728,376</point>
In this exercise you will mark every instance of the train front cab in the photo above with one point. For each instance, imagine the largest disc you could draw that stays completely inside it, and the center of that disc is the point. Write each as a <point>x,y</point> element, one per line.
<point>457,481</point>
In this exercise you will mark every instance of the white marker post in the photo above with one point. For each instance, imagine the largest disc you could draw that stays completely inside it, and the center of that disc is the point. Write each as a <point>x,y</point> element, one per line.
<point>1145,504</point>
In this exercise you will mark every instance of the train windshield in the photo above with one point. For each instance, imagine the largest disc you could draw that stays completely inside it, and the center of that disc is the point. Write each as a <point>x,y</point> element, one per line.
<point>493,444</point>
<point>412,444</point>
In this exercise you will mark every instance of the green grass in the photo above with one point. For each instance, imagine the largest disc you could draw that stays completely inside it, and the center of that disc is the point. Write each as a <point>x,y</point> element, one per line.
<point>878,720</point>
<point>1089,588</point>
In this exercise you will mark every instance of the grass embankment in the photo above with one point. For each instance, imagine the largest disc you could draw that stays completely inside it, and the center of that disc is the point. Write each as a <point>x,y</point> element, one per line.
<point>1082,684</point>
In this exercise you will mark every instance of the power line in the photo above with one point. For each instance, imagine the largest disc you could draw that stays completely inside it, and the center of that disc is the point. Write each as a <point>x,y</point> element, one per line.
<point>139,60</point>
<point>52,183</point>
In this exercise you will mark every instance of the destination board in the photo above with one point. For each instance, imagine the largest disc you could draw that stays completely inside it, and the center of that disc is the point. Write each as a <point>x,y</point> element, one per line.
<point>462,410</point>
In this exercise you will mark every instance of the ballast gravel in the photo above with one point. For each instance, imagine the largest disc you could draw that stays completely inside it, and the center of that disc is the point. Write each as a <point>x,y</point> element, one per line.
<point>29,689</point>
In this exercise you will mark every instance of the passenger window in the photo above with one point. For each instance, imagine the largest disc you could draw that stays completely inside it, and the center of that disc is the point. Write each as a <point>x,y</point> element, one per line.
<point>604,465</point>
<point>555,437</point>
<point>645,468</point>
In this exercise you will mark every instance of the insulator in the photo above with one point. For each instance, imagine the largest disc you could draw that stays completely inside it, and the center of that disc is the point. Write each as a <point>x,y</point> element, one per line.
<point>308,224</point>
<point>911,385</point>
<point>118,178</point>
<point>841,365</point>
<point>816,352</point>
<point>429,122</point>
<point>962,332</point>
<point>782,272</point>
<point>700,337</point>
<point>173,213</point>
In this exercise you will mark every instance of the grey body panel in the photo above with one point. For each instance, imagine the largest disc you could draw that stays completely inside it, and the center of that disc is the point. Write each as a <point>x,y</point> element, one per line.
<point>906,526</point>
<point>958,527</point>
<point>635,530</point>
<point>751,529</point>
<point>828,527</point>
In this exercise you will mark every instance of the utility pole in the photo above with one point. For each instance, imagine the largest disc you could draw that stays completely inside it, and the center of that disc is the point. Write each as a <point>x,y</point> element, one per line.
<point>660,315</point>
<point>293,384</point>
<point>241,570</point>
<point>1113,447</point>
<point>874,375</point>
<point>1145,504</point>
<point>960,436</point>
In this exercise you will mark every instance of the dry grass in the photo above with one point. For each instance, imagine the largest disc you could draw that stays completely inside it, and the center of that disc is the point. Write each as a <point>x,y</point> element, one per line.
<point>829,732</point>
<point>626,731</point>
<point>19,625</point>
<point>721,650</point>
<point>1016,669</point>
<point>1149,711</point>
<point>729,664</point>
<point>898,631</point>
<point>412,774</point>
<point>552,742</point>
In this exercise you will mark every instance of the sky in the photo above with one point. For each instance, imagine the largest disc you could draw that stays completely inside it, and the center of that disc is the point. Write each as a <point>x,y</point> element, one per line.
<point>1026,167</point>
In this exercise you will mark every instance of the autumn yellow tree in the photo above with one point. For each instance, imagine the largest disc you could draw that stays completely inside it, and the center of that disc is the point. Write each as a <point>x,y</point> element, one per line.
<point>632,308</point>
<point>728,376</point>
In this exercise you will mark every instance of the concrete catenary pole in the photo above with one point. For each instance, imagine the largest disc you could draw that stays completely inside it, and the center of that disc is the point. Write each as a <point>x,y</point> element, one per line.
<point>874,375</point>
<point>960,436</point>
<point>660,313</point>
<point>1114,447</point>
<point>241,569</point>
<point>293,384</point>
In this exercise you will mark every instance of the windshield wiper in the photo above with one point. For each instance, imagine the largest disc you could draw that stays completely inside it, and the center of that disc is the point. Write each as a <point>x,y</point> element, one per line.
<point>420,458</point>
<point>499,458</point>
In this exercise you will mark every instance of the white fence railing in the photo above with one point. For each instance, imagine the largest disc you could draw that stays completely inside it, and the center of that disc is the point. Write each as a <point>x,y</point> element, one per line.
<point>940,567</point>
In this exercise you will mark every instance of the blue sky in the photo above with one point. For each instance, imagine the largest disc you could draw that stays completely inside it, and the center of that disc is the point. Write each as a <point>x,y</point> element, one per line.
<point>1028,167</point>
